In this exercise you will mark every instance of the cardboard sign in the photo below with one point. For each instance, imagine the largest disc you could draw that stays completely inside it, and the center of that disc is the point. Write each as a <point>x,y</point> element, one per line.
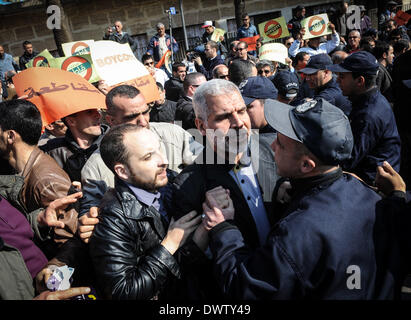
<point>116,64</point>
<point>41,60</point>
<point>251,42</point>
<point>274,52</point>
<point>315,26</point>
<point>274,29</point>
<point>217,34</point>
<point>81,65</point>
<point>77,48</point>
<point>401,18</point>
<point>57,93</point>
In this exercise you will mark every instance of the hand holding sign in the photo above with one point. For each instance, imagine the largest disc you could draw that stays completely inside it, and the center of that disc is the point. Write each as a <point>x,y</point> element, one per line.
<point>315,26</point>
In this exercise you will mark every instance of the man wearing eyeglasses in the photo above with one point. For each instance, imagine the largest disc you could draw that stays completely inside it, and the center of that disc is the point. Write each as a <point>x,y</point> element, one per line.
<point>354,38</point>
<point>267,68</point>
<point>221,72</point>
<point>247,30</point>
<point>158,74</point>
<point>242,53</point>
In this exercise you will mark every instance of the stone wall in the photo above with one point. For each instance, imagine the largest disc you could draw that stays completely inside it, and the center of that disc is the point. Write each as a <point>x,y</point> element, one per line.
<point>88,19</point>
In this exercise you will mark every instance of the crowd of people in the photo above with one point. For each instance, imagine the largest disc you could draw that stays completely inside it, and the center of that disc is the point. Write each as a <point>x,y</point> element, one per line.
<point>247,179</point>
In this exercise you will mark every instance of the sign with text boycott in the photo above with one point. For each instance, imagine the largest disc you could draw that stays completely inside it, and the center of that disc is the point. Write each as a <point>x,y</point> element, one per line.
<point>315,26</point>
<point>57,93</point>
<point>41,60</point>
<point>274,52</point>
<point>273,29</point>
<point>81,65</point>
<point>77,48</point>
<point>116,64</point>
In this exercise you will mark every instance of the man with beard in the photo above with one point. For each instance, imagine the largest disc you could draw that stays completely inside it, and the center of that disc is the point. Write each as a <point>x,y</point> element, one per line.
<point>131,248</point>
<point>234,158</point>
<point>29,53</point>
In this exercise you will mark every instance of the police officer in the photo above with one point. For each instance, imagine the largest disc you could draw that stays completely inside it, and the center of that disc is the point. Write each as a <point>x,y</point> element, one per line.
<point>325,86</point>
<point>286,83</point>
<point>373,124</point>
<point>324,246</point>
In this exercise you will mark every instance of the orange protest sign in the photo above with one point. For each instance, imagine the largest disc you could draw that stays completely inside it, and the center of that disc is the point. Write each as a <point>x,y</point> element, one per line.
<point>145,85</point>
<point>401,17</point>
<point>57,93</point>
<point>252,42</point>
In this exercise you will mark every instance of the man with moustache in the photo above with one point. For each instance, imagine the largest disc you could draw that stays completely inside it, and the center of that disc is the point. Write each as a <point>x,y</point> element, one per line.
<point>236,159</point>
<point>131,248</point>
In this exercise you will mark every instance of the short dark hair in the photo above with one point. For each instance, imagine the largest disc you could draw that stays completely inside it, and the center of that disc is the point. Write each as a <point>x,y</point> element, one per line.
<point>25,43</point>
<point>244,15</point>
<point>380,48</point>
<point>365,44</point>
<point>240,70</point>
<point>400,45</point>
<point>370,79</point>
<point>114,141</point>
<point>299,57</point>
<point>178,65</point>
<point>23,117</point>
<point>212,44</point>
<point>123,90</point>
<point>190,79</point>
<point>146,57</point>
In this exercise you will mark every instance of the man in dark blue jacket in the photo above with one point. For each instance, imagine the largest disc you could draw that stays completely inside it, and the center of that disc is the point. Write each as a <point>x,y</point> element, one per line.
<point>330,241</point>
<point>372,121</point>
<point>212,60</point>
<point>321,80</point>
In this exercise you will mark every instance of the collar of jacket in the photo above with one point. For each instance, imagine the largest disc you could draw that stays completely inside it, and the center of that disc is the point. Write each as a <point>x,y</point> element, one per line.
<point>359,100</point>
<point>134,209</point>
<point>320,181</point>
<point>330,84</point>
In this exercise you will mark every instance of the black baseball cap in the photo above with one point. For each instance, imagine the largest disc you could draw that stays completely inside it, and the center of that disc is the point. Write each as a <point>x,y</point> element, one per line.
<point>286,83</point>
<point>257,88</point>
<point>361,61</point>
<point>317,62</point>
<point>322,127</point>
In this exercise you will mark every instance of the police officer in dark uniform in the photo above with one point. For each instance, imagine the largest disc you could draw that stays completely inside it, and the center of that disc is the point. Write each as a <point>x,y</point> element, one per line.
<point>321,80</point>
<point>372,120</point>
<point>329,243</point>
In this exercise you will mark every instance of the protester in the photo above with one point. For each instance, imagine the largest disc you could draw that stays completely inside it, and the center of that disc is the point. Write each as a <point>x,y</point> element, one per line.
<point>294,25</point>
<point>240,70</point>
<point>388,13</point>
<point>53,130</point>
<point>376,137</point>
<point>158,74</point>
<point>338,17</point>
<point>212,59</point>
<point>174,86</point>
<point>385,56</point>
<point>184,109</point>
<point>319,230</point>
<point>267,68</point>
<point>232,53</point>
<point>7,64</point>
<point>117,34</point>
<point>365,23</point>
<point>242,52</point>
<point>314,44</point>
<point>220,71</point>
<point>354,38</point>
<point>28,54</point>
<point>247,30</point>
<point>82,138</point>
<point>131,264</point>
<point>161,42</point>
<point>207,36</point>
<point>163,110</point>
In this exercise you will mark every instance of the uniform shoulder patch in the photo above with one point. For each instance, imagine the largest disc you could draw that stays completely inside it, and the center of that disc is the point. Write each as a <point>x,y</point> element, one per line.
<point>306,106</point>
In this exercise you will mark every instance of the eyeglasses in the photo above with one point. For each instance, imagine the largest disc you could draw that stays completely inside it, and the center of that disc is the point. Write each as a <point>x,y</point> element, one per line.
<point>264,71</point>
<point>241,49</point>
<point>223,76</point>
<point>353,37</point>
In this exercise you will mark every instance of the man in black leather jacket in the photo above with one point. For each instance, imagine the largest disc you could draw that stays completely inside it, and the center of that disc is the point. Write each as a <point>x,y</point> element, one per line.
<point>131,248</point>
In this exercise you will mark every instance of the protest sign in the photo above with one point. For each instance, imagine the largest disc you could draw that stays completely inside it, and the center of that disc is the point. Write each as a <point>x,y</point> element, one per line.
<point>274,52</point>
<point>77,48</point>
<point>116,64</point>
<point>81,65</point>
<point>315,26</point>
<point>401,18</point>
<point>165,60</point>
<point>251,42</point>
<point>57,93</point>
<point>273,29</point>
<point>217,34</point>
<point>41,60</point>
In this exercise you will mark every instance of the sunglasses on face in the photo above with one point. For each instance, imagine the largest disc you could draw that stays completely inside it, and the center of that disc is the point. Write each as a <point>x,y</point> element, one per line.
<point>263,71</point>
